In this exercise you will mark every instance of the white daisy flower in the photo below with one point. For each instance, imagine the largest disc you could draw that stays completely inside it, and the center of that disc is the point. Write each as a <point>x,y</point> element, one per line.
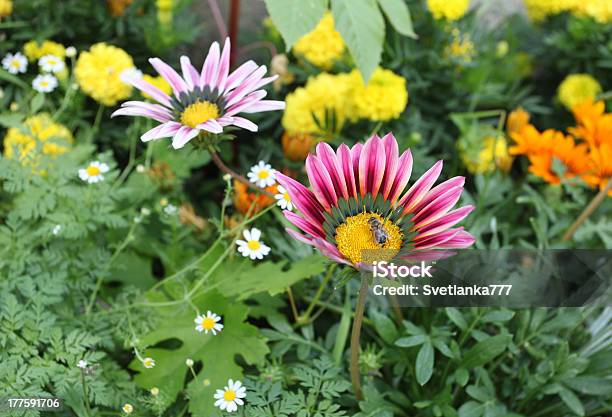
<point>252,246</point>
<point>82,364</point>
<point>262,174</point>
<point>71,52</point>
<point>15,63</point>
<point>189,362</point>
<point>148,363</point>
<point>56,229</point>
<point>170,209</point>
<point>51,63</point>
<point>93,172</point>
<point>284,199</point>
<point>206,323</point>
<point>127,408</point>
<point>231,396</point>
<point>44,83</point>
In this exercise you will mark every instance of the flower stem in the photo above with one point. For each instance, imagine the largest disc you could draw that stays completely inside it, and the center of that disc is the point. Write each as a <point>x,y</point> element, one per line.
<point>328,275</point>
<point>217,160</point>
<point>216,12</point>
<point>588,210</point>
<point>355,333</point>
<point>233,29</point>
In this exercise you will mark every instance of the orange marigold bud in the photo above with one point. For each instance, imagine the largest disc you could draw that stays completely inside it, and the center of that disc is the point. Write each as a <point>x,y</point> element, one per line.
<point>517,119</point>
<point>117,7</point>
<point>296,146</point>
<point>243,198</point>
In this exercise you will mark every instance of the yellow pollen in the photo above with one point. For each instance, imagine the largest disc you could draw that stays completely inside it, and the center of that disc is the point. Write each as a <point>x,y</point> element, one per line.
<point>253,244</point>
<point>208,323</point>
<point>263,175</point>
<point>198,113</point>
<point>15,64</point>
<point>286,196</point>
<point>92,171</point>
<point>355,239</point>
<point>229,395</point>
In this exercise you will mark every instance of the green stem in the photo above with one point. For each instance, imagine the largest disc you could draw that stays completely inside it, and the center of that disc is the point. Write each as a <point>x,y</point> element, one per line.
<point>595,202</point>
<point>85,397</point>
<point>317,297</point>
<point>221,165</point>
<point>355,333</point>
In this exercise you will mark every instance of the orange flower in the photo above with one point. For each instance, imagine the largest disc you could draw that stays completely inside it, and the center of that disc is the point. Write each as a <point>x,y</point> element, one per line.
<point>243,199</point>
<point>517,120</point>
<point>601,167</point>
<point>530,141</point>
<point>594,126</point>
<point>574,156</point>
<point>296,146</point>
<point>117,7</point>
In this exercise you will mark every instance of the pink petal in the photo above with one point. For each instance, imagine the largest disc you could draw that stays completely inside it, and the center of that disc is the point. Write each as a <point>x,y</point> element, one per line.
<point>208,76</point>
<point>265,105</point>
<point>329,250</point>
<point>224,65</point>
<point>246,102</point>
<point>147,88</point>
<point>437,208</point>
<point>446,222</point>
<point>184,135</point>
<point>438,190</point>
<point>355,156</point>
<point>461,240</point>
<point>142,112</point>
<point>191,76</point>
<point>239,75</point>
<point>371,166</point>
<point>391,162</point>
<point>402,176</point>
<point>305,200</point>
<point>321,182</point>
<point>435,240</point>
<point>314,230</point>
<point>346,164</point>
<point>332,165</point>
<point>211,126</point>
<point>418,190</point>
<point>244,123</point>
<point>165,130</point>
<point>169,74</point>
<point>246,87</point>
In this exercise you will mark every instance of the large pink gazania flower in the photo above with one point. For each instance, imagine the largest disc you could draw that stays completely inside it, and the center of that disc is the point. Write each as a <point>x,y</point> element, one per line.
<point>203,101</point>
<point>359,210</point>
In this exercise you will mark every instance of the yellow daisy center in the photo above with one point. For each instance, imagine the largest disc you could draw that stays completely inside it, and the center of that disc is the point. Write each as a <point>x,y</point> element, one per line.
<point>253,244</point>
<point>286,196</point>
<point>92,171</point>
<point>198,113</point>
<point>44,83</point>
<point>208,323</point>
<point>229,395</point>
<point>263,174</point>
<point>355,239</point>
<point>15,64</point>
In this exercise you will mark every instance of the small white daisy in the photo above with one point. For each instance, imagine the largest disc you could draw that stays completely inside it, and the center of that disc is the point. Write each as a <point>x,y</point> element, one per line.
<point>170,209</point>
<point>82,364</point>
<point>127,408</point>
<point>56,229</point>
<point>15,63</point>
<point>206,323</point>
<point>262,174</point>
<point>189,362</point>
<point>93,172</point>
<point>51,63</point>
<point>44,83</point>
<point>252,246</point>
<point>148,363</point>
<point>231,396</point>
<point>284,199</point>
<point>71,52</point>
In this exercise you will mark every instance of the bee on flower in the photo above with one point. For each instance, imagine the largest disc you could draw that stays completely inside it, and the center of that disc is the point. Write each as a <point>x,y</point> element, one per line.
<point>94,172</point>
<point>203,102</point>
<point>251,246</point>
<point>44,83</point>
<point>15,63</point>
<point>51,63</point>
<point>262,175</point>
<point>208,322</point>
<point>231,396</point>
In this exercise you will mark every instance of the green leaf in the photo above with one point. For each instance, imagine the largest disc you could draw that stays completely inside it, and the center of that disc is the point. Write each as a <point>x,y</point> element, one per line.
<point>412,340</point>
<point>217,353</point>
<point>399,15</point>
<point>362,27</point>
<point>485,350</point>
<point>7,76</point>
<point>343,330</point>
<point>248,278</point>
<point>496,316</point>
<point>456,317</point>
<point>384,327</point>
<point>572,401</point>
<point>424,363</point>
<point>462,376</point>
<point>9,120</point>
<point>181,162</point>
<point>37,102</point>
<point>295,18</point>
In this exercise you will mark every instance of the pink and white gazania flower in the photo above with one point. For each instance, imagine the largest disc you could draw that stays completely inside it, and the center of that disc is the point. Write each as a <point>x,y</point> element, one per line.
<point>205,101</point>
<point>359,210</point>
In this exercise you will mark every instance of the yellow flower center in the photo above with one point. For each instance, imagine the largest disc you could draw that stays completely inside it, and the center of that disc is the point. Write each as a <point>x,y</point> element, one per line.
<point>208,323</point>
<point>253,244</point>
<point>198,113</point>
<point>286,196</point>
<point>229,395</point>
<point>44,83</point>
<point>92,171</point>
<point>263,175</point>
<point>355,239</point>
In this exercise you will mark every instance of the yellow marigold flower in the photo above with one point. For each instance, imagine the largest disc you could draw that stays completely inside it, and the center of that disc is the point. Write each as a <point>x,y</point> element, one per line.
<point>297,146</point>
<point>34,50</point>
<point>325,93</point>
<point>6,8</point>
<point>384,97</point>
<point>98,73</point>
<point>39,135</point>
<point>517,119</point>
<point>164,11</point>
<point>323,45</point>
<point>448,9</point>
<point>117,7</point>
<point>600,10</point>
<point>158,82</point>
<point>492,153</point>
<point>578,88</point>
